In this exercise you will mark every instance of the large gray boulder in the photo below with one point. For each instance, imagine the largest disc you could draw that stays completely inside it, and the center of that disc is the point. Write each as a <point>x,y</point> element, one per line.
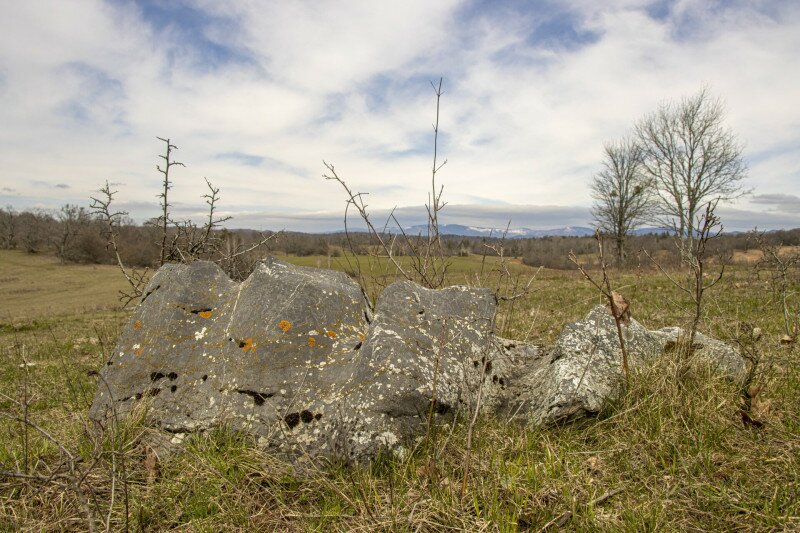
<point>428,353</point>
<point>293,356</point>
<point>290,356</point>
<point>583,370</point>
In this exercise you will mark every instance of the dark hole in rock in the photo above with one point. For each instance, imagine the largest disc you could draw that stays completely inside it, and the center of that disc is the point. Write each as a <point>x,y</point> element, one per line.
<point>242,344</point>
<point>306,416</point>
<point>357,345</point>
<point>421,312</point>
<point>475,364</point>
<point>366,318</point>
<point>441,408</point>
<point>488,367</point>
<point>317,416</point>
<point>138,396</point>
<point>258,397</point>
<point>203,310</point>
<point>502,382</point>
<point>109,363</point>
<point>205,377</point>
<point>172,376</point>
<point>292,419</point>
<point>155,376</point>
<point>495,379</point>
<point>173,388</point>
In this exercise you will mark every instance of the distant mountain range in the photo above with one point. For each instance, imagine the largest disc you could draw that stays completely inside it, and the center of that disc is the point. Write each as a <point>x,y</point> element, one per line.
<point>513,233</point>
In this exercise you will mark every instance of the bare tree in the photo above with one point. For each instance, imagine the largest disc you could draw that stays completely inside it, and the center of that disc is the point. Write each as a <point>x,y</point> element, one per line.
<point>692,158</point>
<point>71,219</point>
<point>622,195</point>
<point>699,279</point>
<point>427,262</point>
<point>8,226</point>
<point>164,220</point>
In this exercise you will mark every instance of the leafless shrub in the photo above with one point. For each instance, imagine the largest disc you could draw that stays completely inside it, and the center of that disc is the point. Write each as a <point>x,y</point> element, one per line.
<point>618,305</point>
<point>426,261</point>
<point>780,267</point>
<point>696,258</point>
<point>101,207</point>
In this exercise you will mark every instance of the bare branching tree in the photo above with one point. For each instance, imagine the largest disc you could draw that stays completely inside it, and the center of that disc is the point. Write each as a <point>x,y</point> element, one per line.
<point>71,219</point>
<point>163,219</point>
<point>8,228</point>
<point>692,158</point>
<point>622,195</point>
<point>699,279</point>
<point>101,208</point>
<point>780,266</point>
<point>427,261</point>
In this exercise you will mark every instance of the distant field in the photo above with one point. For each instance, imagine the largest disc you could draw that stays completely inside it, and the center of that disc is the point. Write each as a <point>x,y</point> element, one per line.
<point>39,286</point>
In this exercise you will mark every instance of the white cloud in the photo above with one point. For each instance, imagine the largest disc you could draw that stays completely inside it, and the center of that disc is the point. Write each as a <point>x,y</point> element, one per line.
<point>530,96</point>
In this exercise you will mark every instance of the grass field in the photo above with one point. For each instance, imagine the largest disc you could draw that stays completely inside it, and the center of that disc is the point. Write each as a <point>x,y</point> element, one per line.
<point>662,458</point>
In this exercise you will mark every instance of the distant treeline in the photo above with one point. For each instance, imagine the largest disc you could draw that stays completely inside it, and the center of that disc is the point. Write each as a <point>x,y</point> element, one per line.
<point>74,235</point>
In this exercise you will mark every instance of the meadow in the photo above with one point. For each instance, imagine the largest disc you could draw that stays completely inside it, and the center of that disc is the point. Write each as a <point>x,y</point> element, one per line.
<point>661,458</point>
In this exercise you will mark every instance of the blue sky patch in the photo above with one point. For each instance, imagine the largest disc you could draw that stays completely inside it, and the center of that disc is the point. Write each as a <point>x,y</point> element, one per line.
<point>194,35</point>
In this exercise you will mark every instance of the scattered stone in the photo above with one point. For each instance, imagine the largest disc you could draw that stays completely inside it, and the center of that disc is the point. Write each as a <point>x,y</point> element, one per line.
<point>723,357</point>
<point>293,356</point>
<point>583,369</point>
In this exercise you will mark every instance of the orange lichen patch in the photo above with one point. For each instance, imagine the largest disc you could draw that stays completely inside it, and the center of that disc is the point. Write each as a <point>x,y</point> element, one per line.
<point>248,345</point>
<point>361,336</point>
<point>312,341</point>
<point>331,334</point>
<point>140,351</point>
<point>285,325</point>
<point>205,314</point>
<point>137,324</point>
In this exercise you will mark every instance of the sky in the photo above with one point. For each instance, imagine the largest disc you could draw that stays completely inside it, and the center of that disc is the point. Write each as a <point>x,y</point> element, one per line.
<point>256,95</point>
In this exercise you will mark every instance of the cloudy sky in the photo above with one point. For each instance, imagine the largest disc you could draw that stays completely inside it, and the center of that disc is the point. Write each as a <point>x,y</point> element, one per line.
<point>256,94</point>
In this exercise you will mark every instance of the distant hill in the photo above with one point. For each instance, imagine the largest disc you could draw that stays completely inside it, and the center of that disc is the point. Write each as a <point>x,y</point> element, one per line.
<point>517,233</point>
<point>461,230</point>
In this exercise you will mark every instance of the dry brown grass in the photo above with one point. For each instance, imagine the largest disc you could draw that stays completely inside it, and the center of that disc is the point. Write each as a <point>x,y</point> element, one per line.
<point>672,459</point>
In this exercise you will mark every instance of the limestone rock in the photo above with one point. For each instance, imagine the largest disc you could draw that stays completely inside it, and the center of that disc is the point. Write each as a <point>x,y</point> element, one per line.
<point>723,357</point>
<point>290,356</point>
<point>423,344</point>
<point>584,367</point>
<point>270,355</point>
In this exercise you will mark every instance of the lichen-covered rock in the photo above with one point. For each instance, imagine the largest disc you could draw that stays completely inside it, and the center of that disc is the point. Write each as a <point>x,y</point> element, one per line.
<point>270,355</point>
<point>427,354</point>
<point>583,370</point>
<point>723,357</point>
<point>290,356</point>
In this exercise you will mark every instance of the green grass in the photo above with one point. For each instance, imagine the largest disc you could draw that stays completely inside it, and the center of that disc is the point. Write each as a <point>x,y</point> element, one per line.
<point>674,458</point>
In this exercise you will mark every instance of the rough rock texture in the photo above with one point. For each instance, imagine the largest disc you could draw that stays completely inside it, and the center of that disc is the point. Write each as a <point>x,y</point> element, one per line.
<point>722,356</point>
<point>290,356</point>
<point>293,356</point>
<point>421,340</point>
<point>584,367</point>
